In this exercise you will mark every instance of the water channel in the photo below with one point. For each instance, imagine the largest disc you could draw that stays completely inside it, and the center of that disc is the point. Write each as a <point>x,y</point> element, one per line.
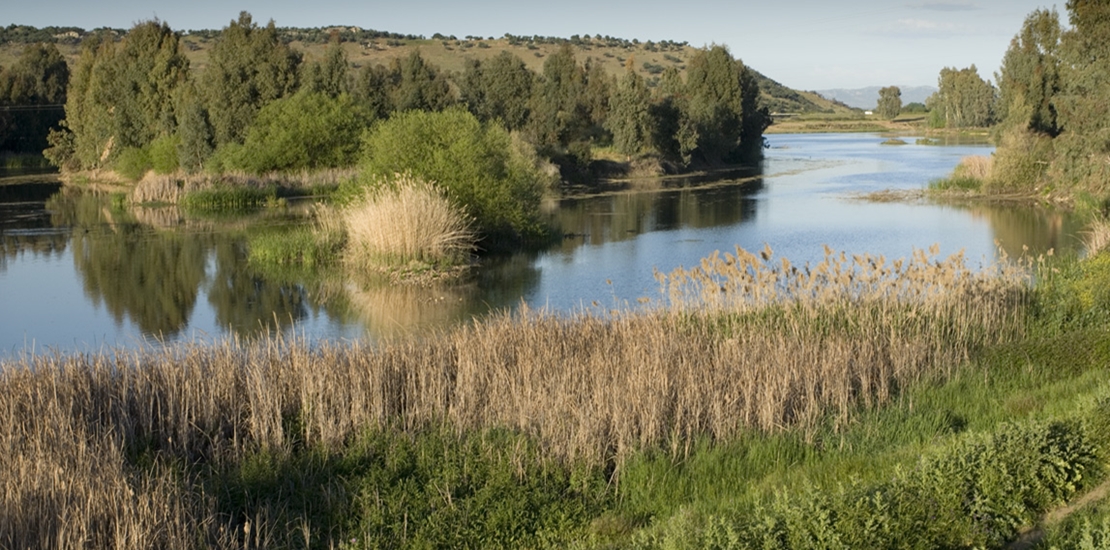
<point>79,273</point>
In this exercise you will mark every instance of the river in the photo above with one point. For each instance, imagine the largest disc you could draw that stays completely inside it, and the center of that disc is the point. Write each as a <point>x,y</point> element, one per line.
<point>79,273</point>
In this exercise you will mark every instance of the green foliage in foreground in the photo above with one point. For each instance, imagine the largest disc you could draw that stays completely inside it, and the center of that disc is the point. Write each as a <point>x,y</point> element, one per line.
<point>435,489</point>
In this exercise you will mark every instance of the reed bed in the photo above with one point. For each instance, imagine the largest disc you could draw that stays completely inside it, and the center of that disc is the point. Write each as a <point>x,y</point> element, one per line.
<point>743,344</point>
<point>172,188</point>
<point>404,220</point>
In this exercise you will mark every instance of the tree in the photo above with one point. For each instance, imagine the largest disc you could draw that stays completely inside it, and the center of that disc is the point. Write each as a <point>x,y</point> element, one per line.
<point>37,84</point>
<point>498,89</point>
<point>722,115</point>
<point>630,118</point>
<point>1029,79</point>
<point>1083,145</point>
<point>962,100</point>
<point>248,67</point>
<point>121,96</point>
<point>420,86</point>
<point>329,77</point>
<point>558,113</point>
<point>890,102</point>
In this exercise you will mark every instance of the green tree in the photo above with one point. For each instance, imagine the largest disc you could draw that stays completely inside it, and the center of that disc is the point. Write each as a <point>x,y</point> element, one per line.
<point>962,100</point>
<point>630,119</point>
<point>36,84</point>
<point>373,89</point>
<point>420,86</point>
<point>122,95</point>
<point>890,102</point>
<point>248,67</point>
<point>1029,79</point>
<point>558,113</point>
<point>195,142</point>
<point>330,76</point>
<point>722,114</point>
<point>1083,145</point>
<point>498,89</point>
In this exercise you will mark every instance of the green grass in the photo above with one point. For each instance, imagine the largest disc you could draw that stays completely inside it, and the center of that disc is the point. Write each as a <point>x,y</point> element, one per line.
<point>956,183</point>
<point>230,199</point>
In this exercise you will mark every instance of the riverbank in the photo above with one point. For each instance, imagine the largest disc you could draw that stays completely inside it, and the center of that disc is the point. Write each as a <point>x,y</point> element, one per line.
<point>727,415</point>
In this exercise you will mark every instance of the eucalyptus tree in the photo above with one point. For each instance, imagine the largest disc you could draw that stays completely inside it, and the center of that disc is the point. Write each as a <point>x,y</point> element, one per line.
<point>962,100</point>
<point>1029,79</point>
<point>890,102</point>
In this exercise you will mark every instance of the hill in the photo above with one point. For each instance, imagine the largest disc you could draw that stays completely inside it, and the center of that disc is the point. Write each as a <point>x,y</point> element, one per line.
<point>367,47</point>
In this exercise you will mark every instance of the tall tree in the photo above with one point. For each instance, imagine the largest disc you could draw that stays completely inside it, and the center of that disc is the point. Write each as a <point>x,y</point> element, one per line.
<point>1029,79</point>
<point>420,86</point>
<point>498,89</point>
<point>121,95</point>
<point>330,76</point>
<point>1083,146</point>
<point>558,113</point>
<point>36,83</point>
<point>722,112</point>
<point>249,66</point>
<point>963,99</point>
<point>890,102</point>
<point>630,118</point>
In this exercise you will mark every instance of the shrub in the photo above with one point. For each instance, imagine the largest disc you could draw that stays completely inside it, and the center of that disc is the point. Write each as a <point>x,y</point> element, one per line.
<point>1020,162</point>
<point>163,154</point>
<point>133,163</point>
<point>306,130</point>
<point>479,167</point>
<point>403,220</point>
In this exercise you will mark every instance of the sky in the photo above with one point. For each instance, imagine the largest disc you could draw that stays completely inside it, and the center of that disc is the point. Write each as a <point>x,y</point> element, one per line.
<point>804,44</point>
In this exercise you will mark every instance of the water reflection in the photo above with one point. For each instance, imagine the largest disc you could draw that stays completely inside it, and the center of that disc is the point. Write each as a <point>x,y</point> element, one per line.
<point>76,267</point>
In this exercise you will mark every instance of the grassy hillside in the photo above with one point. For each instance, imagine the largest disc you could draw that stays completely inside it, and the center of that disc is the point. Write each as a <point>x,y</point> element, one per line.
<point>650,59</point>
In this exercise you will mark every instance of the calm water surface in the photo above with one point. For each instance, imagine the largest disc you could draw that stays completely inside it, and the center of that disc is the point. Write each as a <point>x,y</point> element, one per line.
<point>78,274</point>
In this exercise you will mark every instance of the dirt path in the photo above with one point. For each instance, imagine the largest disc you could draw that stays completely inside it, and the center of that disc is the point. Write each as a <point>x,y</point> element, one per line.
<point>1031,538</point>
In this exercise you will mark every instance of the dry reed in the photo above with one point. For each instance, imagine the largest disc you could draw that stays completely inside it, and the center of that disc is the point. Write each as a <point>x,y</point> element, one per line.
<point>745,344</point>
<point>171,188</point>
<point>977,166</point>
<point>1097,237</point>
<point>406,220</point>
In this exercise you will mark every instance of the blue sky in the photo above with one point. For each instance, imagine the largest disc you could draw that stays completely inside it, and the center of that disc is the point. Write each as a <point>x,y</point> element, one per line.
<point>804,44</point>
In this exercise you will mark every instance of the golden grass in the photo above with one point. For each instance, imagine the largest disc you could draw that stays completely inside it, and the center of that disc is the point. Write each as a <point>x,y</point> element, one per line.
<point>1097,237</point>
<point>742,344</point>
<point>977,166</point>
<point>171,188</point>
<point>406,220</point>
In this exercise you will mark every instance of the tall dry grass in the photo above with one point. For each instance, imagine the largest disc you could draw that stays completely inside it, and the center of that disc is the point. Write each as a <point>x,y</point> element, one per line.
<point>976,166</point>
<point>1097,237</point>
<point>171,188</point>
<point>404,220</point>
<point>745,344</point>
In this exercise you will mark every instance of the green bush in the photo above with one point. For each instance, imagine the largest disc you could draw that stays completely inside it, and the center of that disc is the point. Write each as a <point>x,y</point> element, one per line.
<point>978,493</point>
<point>481,167</point>
<point>304,131</point>
<point>133,163</point>
<point>1020,162</point>
<point>163,154</point>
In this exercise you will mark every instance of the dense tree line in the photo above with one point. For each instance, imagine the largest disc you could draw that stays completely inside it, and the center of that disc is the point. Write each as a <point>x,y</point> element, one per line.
<point>1054,126</point>
<point>261,106</point>
<point>32,92</point>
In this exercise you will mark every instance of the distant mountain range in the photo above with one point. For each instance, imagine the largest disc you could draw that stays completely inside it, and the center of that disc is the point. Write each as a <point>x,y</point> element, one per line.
<point>867,98</point>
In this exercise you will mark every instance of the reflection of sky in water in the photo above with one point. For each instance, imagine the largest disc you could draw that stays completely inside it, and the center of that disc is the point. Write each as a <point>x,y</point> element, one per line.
<point>617,241</point>
<point>801,206</point>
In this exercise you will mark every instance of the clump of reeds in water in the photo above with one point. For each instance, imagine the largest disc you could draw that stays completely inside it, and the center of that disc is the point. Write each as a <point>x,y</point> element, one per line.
<point>406,219</point>
<point>745,345</point>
